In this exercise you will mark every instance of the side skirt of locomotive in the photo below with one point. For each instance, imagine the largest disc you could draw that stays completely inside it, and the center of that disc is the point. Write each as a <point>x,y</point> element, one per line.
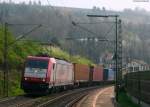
<point>45,88</point>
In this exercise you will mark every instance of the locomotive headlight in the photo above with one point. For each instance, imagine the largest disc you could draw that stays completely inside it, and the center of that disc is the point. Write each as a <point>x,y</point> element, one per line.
<point>43,80</point>
<point>25,78</point>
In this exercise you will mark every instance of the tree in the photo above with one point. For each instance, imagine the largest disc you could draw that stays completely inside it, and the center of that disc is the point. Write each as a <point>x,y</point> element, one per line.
<point>34,3</point>
<point>39,2</point>
<point>103,9</point>
<point>30,2</point>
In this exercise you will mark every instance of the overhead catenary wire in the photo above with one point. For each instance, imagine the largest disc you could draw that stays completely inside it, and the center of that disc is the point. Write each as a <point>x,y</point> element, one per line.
<point>95,22</point>
<point>74,23</point>
<point>25,34</point>
<point>97,38</point>
<point>93,33</point>
<point>21,24</point>
<point>49,5</point>
<point>107,33</point>
<point>85,29</point>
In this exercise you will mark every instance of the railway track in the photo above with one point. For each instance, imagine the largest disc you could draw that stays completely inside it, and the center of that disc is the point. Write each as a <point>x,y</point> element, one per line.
<point>67,99</point>
<point>24,101</point>
<point>6,99</point>
<point>70,104</point>
<point>17,101</point>
<point>63,99</point>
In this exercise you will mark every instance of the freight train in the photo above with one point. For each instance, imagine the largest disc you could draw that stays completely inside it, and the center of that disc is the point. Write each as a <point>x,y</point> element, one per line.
<point>47,74</point>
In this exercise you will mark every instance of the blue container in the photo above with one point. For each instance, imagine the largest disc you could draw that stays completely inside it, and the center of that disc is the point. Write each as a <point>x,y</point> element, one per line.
<point>108,74</point>
<point>111,74</point>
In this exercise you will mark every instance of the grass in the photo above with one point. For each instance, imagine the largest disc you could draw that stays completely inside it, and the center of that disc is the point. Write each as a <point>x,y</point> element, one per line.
<point>125,101</point>
<point>14,83</point>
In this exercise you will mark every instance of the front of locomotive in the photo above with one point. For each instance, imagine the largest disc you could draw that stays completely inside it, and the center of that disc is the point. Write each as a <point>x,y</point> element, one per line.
<point>35,76</point>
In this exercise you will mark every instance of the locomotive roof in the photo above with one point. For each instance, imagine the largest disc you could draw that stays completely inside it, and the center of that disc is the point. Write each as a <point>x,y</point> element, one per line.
<point>37,57</point>
<point>55,60</point>
<point>62,61</point>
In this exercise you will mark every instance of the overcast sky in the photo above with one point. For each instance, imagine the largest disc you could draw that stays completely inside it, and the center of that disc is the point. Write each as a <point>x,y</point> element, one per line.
<point>108,4</point>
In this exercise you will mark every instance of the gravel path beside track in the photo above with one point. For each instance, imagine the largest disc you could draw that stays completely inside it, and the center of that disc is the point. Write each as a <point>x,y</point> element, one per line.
<point>102,97</point>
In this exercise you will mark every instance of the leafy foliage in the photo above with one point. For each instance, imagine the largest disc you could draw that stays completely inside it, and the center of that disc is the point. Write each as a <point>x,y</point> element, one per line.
<point>126,101</point>
<point>17,51</point>
<point>58,53</point>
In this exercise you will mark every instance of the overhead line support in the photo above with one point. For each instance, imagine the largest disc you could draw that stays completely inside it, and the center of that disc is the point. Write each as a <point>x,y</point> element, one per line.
<point>116,49</point>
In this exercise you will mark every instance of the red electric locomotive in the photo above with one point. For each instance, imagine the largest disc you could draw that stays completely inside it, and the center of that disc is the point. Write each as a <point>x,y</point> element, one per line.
<point>42,74</point>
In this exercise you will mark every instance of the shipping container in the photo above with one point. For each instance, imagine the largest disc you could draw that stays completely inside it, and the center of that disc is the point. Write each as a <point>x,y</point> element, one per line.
<point>108,74</point>
<point>98,73</point>
<point>105,74</point>
<point>63,73</point>
<point>111,74</point>
<point>81,73</point>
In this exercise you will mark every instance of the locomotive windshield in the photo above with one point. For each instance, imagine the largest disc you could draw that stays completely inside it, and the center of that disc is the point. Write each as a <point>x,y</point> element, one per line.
<point>36,68</point>
<point>43,64</point>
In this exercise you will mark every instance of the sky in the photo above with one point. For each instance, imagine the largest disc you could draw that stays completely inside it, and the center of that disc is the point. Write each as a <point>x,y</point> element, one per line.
<point>108,4</point>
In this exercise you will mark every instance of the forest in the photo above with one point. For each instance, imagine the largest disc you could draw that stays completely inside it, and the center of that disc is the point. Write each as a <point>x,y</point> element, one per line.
<point>57,27</point>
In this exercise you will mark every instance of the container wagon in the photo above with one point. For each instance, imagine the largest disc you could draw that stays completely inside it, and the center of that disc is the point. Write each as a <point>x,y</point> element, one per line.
<point>108,74</point>
<point>98,74</point>
<point>111,75</point>
<point>81,75</point>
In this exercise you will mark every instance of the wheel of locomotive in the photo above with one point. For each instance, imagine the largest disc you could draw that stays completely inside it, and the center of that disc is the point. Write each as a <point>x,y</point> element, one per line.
<point>57,89</point>
<point>61,88</point>
<point>53,90</point>
<point>48,91</point>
